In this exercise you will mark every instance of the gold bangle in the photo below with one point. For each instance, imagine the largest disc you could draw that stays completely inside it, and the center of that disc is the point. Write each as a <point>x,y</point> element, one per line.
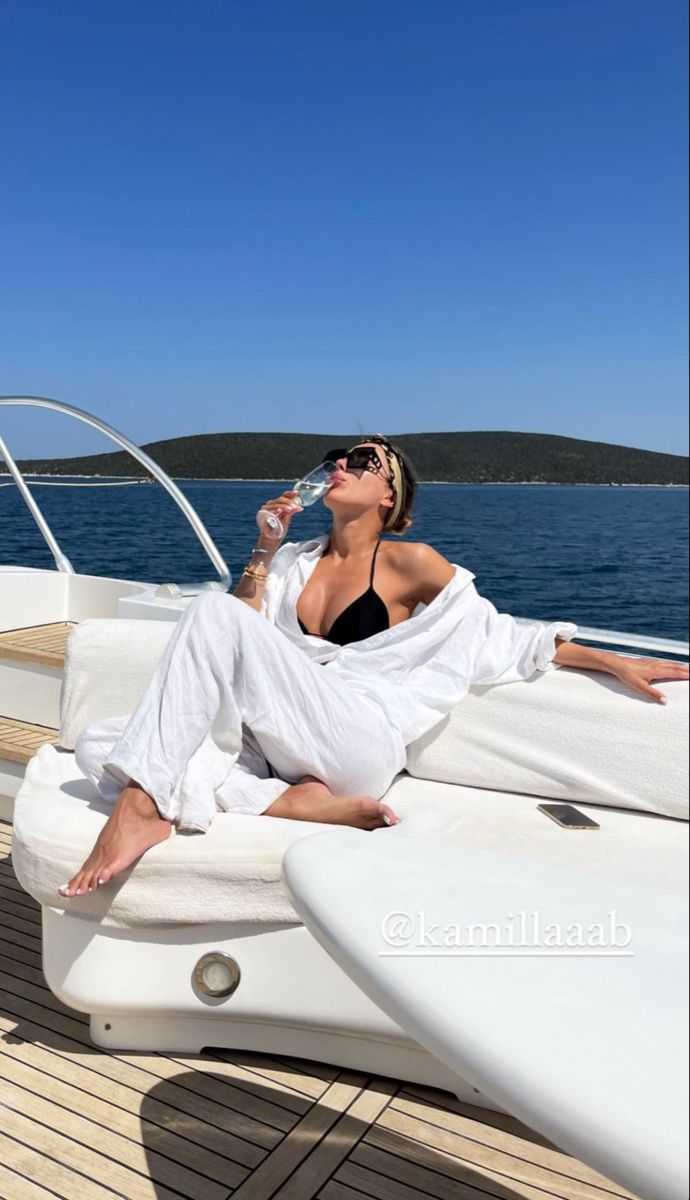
<point>252,574</point>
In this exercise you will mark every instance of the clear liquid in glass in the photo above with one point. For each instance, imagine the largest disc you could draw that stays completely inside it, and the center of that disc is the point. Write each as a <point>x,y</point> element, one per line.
<point>311,488</point>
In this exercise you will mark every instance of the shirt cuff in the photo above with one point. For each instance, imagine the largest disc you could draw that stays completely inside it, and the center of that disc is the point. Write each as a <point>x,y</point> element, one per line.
<point>546,646</point>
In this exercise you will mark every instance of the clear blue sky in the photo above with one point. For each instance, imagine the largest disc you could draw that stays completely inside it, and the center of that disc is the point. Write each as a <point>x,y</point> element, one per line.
<point>305,214</point>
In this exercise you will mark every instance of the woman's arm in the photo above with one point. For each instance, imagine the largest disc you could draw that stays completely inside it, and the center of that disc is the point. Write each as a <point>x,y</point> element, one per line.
<point>431,572</point>
<point>636,672</point>
<point>250,588</point>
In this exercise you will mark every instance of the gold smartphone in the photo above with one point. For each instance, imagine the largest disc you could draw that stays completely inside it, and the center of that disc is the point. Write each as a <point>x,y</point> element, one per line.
<point>568,817</point>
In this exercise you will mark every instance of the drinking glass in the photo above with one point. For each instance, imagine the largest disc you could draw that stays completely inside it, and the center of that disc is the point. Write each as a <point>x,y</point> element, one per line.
<point>310,488</point>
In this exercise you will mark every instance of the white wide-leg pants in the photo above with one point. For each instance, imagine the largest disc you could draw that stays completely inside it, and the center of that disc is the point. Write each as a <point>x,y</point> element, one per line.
<point>230,678</point>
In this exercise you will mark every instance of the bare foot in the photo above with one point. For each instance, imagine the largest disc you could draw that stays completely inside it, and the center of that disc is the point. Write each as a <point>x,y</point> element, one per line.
<point>311,800</point>
<point>132,828</point>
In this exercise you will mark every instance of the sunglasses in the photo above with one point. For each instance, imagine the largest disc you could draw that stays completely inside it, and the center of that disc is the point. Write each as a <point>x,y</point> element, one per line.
<point>362,458</point>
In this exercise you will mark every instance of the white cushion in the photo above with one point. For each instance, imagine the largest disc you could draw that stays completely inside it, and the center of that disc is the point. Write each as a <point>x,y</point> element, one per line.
<point>569,735</point>
<point>232,872</point>
<point>108,665</point>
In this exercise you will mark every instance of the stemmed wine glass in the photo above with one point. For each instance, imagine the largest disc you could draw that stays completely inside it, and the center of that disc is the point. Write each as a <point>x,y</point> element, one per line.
<point>310,488</point>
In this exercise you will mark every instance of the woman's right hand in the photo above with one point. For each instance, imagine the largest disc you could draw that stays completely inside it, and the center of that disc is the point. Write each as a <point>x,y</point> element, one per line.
<point>284,508</point>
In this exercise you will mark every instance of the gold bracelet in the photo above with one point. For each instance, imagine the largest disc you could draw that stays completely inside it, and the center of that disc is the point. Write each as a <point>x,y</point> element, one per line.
<point>253,574</point>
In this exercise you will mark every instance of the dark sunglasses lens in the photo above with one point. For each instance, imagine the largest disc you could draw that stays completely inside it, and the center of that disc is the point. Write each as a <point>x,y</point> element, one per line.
<point>359,458</point>
<point>334,455</point>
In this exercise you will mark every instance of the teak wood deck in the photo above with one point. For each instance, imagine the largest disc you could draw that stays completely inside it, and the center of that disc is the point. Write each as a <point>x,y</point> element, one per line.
<point>19,740</point>
<point>81,1123</point>
<point>42,645</point>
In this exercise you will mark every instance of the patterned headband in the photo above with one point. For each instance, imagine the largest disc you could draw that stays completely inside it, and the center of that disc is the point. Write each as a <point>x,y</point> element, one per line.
<point>398,483</point>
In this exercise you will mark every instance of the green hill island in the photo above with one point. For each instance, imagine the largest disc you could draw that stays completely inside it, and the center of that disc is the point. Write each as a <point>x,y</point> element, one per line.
<point>476,457</point>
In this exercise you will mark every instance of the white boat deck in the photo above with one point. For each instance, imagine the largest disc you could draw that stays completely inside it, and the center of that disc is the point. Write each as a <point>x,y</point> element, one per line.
<point>85,1124</point>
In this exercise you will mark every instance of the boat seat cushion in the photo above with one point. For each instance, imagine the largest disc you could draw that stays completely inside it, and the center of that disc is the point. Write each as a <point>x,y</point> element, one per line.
<point>233,871</point>
<point>109,663</point>
<point>579,736</point>
<point>576,736</point>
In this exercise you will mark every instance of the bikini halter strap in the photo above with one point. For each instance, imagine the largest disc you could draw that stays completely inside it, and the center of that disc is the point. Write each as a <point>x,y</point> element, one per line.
<point>373,563</point>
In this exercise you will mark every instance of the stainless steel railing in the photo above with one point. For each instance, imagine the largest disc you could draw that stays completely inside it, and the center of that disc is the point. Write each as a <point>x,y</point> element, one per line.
<point>61,561</point>
<point>657,645</point>
<point>634,641</point>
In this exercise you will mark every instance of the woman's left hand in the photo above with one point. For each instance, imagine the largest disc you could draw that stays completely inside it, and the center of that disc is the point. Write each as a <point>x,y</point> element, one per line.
<point>639,672</point>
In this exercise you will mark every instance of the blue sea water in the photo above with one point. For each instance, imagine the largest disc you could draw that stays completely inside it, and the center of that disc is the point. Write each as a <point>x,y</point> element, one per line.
<point>610,557</point>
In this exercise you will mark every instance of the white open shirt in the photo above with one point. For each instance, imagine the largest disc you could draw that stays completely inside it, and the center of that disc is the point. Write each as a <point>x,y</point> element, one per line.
<point>421,668</point>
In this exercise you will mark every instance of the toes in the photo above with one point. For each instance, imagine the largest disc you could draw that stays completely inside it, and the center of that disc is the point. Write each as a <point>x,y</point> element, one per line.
<point>81,884</point>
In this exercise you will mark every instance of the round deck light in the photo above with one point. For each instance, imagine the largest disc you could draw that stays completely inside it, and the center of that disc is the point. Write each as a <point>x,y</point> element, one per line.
<point>217,975</point>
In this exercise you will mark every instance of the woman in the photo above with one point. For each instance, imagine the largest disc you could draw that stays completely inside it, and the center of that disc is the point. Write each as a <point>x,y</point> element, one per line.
<point>240,714</point>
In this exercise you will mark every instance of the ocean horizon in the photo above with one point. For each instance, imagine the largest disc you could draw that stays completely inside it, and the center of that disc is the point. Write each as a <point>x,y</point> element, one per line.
<point>609,556</point>
<point>426,482</point>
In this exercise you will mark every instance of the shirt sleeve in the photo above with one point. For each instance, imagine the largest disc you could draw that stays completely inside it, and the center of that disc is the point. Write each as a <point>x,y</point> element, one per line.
<point>512,649</point>
<point>282,559</point>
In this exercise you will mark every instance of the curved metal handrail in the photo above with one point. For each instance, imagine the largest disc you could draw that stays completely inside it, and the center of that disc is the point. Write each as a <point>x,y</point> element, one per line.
<point>61,561</point>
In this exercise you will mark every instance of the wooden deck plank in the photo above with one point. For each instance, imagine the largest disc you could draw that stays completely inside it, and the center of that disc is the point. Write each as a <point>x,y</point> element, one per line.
<point>210,1081</point>
<point>161,1103</point>
<point>19,939</point>
<point>11,952</point>
<point>437,1176</point>
<point>249,1115</point>
<point>19,898</point>
<point>384,1187</point>
<point>338,1191</point>
<point>323,1071</point>
<point>17,1187</point>
<point>62,1181</point>
<point>430,1167</point>
<point>19,741</point>
<point>12,903</point>
<point>21,925</point>
<point>42,645</point>
<point>86,1166</point>
<point>118,1106</point>
<point>330,1153</point>
<point>293,1078</point>
<point>450,1103</point>
<point>489,1162</point>
<point>469,1121</point>
<point>165,1154</point>
<point>289,1156</point>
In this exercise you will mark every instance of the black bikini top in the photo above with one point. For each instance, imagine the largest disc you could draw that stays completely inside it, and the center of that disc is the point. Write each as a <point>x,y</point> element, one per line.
<point>363,618</point>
